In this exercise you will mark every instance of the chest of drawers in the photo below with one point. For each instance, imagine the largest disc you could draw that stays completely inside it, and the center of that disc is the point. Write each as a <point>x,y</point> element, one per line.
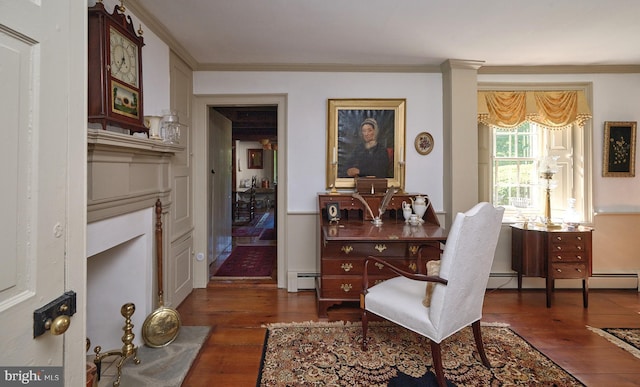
<point>552,254</point>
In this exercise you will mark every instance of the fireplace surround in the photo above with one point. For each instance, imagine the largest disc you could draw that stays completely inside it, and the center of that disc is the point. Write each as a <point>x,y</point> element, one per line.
<point>125,176</point>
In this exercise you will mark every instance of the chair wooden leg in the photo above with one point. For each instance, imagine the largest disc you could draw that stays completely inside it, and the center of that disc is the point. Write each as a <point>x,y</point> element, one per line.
<point>365,327</point>
<point>436,355</point>
<point>477,335</point>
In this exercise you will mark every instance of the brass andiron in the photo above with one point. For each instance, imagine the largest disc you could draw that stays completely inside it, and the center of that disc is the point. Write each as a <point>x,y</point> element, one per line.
<point>128,348</point>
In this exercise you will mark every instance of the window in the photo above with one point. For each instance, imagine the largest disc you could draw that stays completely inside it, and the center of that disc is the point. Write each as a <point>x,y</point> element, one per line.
<point>515,165</point>
<point>509,175</point>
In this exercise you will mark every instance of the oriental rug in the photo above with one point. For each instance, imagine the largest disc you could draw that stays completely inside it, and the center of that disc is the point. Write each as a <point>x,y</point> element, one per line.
<point>625,338</point>
<point>249,261</point>
<point>323,354</point>
<point>164,366</point>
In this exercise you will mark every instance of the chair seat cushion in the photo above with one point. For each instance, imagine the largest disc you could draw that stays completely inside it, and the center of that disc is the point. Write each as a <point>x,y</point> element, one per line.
<point>399,300</point>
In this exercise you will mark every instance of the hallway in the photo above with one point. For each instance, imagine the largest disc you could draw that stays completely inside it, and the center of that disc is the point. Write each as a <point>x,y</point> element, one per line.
<point>256,233</point>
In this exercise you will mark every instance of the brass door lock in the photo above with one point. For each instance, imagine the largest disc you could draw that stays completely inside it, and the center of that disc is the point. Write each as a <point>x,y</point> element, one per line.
<point>55,317</point>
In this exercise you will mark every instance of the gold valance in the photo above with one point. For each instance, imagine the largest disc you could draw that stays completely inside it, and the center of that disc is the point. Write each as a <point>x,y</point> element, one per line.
<point>550,109</point>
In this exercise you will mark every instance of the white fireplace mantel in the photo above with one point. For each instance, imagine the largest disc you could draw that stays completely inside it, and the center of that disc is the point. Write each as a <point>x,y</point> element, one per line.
<point>126,173</point>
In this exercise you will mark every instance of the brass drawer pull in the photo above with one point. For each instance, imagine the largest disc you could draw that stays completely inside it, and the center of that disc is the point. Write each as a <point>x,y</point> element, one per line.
<point>579,238</point>
<point>347,266</point>
<point>380,248</point>
<point>579,247</point>
<point>347,249</point>
<point>413,249</point>
<point>559,257</point>
<point>413,266</point>
<point>559,238</point>
<point>346,287</point>
<point>579,270</point>
<point>559,270</point>
<point>579,257</point>
<point>379,265</point>
<point>558,247</point>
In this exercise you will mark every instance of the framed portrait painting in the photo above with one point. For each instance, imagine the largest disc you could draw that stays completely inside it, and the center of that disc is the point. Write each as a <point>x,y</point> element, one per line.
<point>365,138</point>
<point>254,158</point>
<point>619,153</point>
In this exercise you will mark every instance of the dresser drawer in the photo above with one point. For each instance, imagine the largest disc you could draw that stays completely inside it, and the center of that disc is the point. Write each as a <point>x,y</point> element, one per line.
<point>568,270</point>
<point>571,257</point>
<point>355,266</point>
<point>567,247</point>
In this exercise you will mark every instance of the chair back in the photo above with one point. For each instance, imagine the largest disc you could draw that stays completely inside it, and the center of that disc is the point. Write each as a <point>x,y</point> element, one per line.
<point>466,264</point>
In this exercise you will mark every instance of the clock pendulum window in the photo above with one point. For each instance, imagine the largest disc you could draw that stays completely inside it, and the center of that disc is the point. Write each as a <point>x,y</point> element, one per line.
<point>115,90</point>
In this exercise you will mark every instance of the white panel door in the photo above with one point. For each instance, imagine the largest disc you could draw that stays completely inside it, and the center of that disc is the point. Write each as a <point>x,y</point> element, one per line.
<point>42,164</point>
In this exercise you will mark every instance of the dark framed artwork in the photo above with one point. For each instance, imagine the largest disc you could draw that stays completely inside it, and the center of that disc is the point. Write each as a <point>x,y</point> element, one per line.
<point>351,149</point>
<point>254,160</point>
<point>619,153</point>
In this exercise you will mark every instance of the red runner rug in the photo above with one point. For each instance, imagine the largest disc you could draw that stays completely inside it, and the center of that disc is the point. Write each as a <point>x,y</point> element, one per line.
<point>246,231</point>
<point>249,261</point>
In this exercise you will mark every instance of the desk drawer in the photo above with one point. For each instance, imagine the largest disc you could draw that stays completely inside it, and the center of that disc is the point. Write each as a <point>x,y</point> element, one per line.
<point>355,266</point>
<point>346,287</point>
<point>568,270</point>
<point>363,249</point>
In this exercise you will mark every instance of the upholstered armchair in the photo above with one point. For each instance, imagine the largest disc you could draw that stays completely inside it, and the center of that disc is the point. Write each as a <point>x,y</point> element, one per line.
<point>456,294</point>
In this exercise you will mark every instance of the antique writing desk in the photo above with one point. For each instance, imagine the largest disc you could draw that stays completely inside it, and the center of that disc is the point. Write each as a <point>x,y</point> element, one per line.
<point>345,244</point>
<point>552,254</point>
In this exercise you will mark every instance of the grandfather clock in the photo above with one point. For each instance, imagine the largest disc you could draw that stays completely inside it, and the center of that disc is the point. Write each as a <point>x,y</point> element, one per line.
<point>115,69</point>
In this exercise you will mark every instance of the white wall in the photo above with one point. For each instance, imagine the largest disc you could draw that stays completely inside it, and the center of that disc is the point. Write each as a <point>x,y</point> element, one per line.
<point>307,95</point>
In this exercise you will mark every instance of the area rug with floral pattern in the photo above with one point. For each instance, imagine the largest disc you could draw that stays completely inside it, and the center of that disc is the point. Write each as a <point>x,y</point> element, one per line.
<point>330,354</point>
<point>625,338</point>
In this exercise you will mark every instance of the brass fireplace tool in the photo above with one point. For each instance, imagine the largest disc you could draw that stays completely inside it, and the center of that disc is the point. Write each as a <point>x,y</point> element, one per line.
<point>128,348</point>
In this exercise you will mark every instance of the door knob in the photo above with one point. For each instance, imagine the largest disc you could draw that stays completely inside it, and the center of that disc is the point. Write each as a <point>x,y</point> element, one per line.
<point>59,325</point>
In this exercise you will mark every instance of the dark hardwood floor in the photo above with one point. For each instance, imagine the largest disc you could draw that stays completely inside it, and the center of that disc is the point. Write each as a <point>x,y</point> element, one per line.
<point>236,312</point>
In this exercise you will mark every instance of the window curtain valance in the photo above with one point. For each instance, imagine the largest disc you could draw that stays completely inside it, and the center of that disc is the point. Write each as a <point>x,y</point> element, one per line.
<point>550,109</point>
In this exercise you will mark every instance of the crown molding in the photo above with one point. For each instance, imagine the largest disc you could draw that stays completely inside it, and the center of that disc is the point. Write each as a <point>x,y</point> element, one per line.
<point>159,29</point>
<point>330,67</point>
<point>561,69</point>
<point>460,64</point>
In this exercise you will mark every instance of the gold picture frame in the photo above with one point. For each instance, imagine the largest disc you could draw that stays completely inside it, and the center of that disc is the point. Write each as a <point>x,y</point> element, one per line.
<point>345,141</point>
<point>424,143</point>
<point>619,149</point>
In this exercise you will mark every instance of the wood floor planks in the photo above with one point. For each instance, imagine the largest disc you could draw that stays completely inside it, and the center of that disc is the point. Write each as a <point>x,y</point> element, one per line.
<point>231,356</point>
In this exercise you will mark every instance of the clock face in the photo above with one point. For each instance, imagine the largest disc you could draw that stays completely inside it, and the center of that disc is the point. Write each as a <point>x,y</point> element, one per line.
<point>124,58</point>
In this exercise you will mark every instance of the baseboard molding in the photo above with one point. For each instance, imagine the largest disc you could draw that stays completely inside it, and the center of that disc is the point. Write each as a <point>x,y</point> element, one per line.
<point>305,281</point>
<point>301,281</point>
<point>597,281</point>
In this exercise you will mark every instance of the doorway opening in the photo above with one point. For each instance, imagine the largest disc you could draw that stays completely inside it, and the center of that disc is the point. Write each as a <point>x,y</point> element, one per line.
<point>251,254</point>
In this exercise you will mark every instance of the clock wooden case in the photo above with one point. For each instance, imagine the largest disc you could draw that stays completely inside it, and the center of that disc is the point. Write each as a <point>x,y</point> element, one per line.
<point>115,70</point>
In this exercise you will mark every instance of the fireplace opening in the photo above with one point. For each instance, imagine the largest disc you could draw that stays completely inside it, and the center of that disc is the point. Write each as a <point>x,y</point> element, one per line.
<point>119,271</point>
